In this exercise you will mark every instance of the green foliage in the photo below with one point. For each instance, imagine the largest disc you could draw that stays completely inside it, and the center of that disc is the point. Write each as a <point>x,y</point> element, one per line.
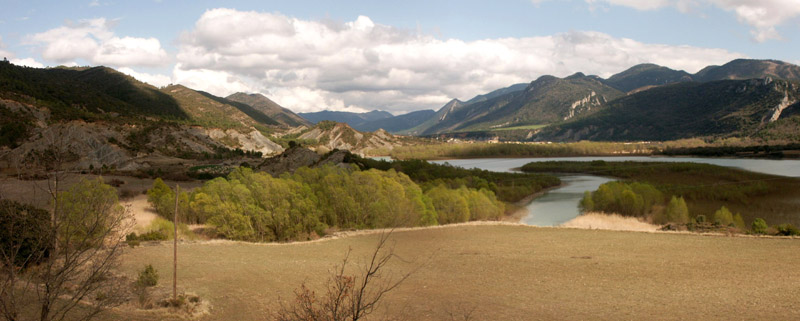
<point>23,233</point>
<point>450,206</point>
<point>704,187</point>
<point>14,127</point>
<point>759,226</point>
<point>476,150</point>
<point>587,203</point>
<point>255,206</point>
<point>88,94</point>
<point>634,199</point>
<point>162,198</point>
<point>776,151</point>
<point>723,216</point>
<point>147,277</point>
<point>677,211</point>
<point>509,187</point>
<point>787,230</point>
<point>738,221</point>
<point>87,209</point>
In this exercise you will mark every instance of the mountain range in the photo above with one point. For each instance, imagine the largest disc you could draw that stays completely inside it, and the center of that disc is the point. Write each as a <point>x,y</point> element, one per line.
<point>108,119</point>
<point>717,100</point>
<point>117,120</point>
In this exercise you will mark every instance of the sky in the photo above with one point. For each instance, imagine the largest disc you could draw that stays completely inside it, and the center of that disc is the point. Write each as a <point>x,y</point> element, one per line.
<point>398,56</point>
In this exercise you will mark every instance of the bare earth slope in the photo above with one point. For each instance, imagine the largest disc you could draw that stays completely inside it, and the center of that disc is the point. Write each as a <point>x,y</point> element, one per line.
<point>508,272</point>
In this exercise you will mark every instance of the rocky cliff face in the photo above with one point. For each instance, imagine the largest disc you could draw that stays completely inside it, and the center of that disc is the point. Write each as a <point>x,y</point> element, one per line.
<point>126,147</point>
<point>330,136</point>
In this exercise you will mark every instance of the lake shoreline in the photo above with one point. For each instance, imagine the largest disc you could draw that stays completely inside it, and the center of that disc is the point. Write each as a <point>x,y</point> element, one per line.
<point>522,205</point>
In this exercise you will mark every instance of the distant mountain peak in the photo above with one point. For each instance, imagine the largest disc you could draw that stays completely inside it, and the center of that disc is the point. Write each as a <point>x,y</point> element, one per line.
<point>576,75</point>
<point>270,108</point>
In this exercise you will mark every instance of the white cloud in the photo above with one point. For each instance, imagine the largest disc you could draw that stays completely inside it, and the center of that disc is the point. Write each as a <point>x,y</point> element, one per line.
<point>94,3</point>
<point>94,41</point>
<point>764,16</point>
<point>362,65</point>
<point>28,62</point>
<point>153,79</point>
<point>216,82</point>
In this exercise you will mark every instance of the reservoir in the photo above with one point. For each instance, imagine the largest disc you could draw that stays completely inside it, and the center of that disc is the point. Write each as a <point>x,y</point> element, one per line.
<point>559,205</point>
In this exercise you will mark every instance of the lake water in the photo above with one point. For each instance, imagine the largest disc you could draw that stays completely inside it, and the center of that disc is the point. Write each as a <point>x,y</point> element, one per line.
<point>561,204</point>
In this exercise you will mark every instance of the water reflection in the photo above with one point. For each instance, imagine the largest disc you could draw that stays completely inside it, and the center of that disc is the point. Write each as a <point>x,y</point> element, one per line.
<point>561,204</point>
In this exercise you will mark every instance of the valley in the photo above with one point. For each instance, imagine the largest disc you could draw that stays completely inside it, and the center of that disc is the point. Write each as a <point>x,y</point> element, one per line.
<point>277,198</point>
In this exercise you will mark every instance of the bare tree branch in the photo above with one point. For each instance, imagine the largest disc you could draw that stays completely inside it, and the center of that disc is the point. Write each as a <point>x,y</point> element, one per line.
<point>348,297</point>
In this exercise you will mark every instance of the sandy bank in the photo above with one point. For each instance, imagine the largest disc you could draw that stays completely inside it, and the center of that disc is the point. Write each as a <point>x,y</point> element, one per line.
<point>612,222</point>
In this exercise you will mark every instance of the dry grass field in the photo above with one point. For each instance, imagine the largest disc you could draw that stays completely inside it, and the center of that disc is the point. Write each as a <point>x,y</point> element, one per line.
<point>503,272</point>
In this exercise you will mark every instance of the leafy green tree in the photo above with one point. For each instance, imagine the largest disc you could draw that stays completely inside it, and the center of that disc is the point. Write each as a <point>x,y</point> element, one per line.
<point>677,211</point>
<point>723,216</point>
<point>160,195</point>
<point>84,235</point>
<point>636,199</point>
<point>450,206</point>
<point>89,208</point>
<point>738,221</point>
<point>759,226</point>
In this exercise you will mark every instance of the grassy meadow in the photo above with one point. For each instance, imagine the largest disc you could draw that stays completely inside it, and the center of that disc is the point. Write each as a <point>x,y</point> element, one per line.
<point>501,272</point>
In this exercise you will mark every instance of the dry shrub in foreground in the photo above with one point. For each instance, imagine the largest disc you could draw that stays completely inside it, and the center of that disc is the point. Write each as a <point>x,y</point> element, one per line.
<point>347,296</point>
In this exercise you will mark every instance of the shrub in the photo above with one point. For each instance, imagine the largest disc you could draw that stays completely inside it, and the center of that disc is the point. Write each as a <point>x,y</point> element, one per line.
<point>787,230</point>
<point>676,211</point>
<point>147,277</point>
<point>738,221</point>
<point>723,216</point>
<point>759,226</point>
<point>635,199</point>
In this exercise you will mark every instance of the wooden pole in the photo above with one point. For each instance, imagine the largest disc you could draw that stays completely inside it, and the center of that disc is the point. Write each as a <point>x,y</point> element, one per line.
<point>175,248</point>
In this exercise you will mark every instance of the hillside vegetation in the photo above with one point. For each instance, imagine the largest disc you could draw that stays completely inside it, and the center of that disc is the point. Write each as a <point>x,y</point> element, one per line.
<point>546,100</point>
<point>85,93</point>
<point>270,108</point>
<point>685,110</point>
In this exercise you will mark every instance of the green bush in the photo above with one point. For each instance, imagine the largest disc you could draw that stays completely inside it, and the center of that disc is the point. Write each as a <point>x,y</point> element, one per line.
<point>723,216</point>
<point>759,226</point>
<point>787,230</point>
<point>148,277</point>
<point>677,211</point>
<point>634,199</point>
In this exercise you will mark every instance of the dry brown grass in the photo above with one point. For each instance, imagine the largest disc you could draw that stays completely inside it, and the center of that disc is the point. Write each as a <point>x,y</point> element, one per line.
<point>506,272</point>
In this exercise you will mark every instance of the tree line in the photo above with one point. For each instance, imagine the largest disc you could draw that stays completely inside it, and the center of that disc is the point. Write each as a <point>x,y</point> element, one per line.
<point>254,206</point>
